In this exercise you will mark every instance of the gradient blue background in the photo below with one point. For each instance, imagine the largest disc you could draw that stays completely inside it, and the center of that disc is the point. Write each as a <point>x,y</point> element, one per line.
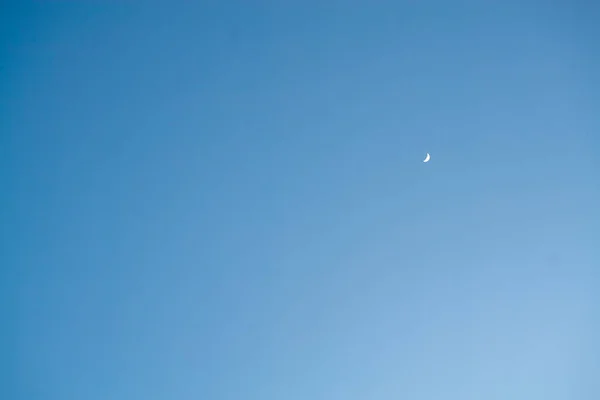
<point>228,202</point>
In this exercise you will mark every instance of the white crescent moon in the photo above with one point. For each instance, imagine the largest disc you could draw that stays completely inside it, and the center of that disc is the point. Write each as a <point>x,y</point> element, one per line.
<point>427,158</point>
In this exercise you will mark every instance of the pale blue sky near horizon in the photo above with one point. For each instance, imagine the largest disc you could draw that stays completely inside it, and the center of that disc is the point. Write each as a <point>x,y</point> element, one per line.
<point>229,201</point>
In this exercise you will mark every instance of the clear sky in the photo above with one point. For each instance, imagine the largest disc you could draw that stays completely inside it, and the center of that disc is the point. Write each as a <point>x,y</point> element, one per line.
<point>229,201</point>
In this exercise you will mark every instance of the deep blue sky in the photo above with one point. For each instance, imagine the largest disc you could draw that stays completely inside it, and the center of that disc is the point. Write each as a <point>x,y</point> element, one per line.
<point>228,202</point>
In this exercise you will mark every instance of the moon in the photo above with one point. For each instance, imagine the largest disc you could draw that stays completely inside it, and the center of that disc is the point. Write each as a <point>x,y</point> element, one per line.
<point>427,157</point>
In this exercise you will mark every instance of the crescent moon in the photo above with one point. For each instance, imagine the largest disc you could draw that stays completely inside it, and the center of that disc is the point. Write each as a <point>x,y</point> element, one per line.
<point>427,158</point>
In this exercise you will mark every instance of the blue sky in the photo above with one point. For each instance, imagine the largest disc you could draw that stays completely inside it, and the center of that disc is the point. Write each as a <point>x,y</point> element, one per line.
<point>228,202</point>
